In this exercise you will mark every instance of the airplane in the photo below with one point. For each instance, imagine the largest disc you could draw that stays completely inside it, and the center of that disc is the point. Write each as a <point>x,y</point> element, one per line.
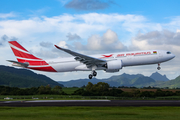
<point>112,62</point>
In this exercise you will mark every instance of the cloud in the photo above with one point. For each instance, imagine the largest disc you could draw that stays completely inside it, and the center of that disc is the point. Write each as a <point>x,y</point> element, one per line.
<point>62,44</point>
<point>7,15</point>
<point>46,44</point>
<point>73,37</point>
<point>81,24</point>
<point>108,42</point>
<point>164,37</point>
<point>4,40</point>
<point>88,4</point>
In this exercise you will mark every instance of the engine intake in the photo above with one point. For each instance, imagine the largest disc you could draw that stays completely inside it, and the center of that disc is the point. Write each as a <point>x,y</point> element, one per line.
<point>113,66</point>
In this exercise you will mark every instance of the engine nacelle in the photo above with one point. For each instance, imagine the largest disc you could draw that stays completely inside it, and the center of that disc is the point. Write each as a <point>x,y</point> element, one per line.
<point>113,66</point>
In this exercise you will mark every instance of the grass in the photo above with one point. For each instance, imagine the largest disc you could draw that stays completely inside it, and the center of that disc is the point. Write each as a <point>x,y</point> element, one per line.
<point>69,90</point>
<point>90,113</point>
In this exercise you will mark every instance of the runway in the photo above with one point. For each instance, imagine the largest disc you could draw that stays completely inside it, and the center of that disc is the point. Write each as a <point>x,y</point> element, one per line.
<point>100,103</point>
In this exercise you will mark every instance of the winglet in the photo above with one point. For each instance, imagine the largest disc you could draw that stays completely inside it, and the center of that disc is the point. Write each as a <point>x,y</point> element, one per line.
<point>57,46</point>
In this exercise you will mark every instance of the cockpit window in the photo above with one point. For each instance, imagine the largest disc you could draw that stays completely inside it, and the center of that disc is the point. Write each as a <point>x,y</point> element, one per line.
<point>168,52</point>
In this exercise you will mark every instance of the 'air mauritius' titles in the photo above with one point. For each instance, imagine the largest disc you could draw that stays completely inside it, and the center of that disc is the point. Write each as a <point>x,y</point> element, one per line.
<point>130,54</point>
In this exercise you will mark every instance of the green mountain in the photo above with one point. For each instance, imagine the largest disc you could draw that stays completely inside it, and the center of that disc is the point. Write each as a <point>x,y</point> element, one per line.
<point>142,81</point>
<point>138,80</point>
<point>23,78</point>
<point>175,83</point>
<point>131,80</point>
<point>116,81</point>
<point>158,77</point>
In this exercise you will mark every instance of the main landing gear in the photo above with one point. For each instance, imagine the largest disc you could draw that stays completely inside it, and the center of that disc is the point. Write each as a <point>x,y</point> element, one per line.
<point>94,73</point>
<point>158,66</point>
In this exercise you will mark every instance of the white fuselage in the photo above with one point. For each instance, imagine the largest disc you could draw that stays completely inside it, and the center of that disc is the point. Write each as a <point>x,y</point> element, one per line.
<point>134,58</point>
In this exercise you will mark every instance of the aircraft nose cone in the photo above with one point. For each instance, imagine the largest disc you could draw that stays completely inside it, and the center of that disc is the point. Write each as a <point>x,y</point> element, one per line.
<point>173,56</point>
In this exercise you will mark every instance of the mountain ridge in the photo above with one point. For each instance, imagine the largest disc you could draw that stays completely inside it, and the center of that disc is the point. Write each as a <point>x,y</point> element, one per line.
<point>127,80</point>
<point>158,77</point>
<point>138,80</point>
<point>23,78</point>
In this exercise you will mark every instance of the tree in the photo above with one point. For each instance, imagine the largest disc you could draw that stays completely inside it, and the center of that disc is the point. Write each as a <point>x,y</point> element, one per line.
<point>101,87</point>
<point>57,89</point>
<point>89,86</point>
<point>44,90</point>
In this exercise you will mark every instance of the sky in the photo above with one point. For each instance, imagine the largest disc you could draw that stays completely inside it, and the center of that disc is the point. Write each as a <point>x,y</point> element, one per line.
<point>92,27</point>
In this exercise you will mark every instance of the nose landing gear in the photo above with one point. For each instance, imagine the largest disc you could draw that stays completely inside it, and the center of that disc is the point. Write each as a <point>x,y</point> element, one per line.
<point>158,66</point>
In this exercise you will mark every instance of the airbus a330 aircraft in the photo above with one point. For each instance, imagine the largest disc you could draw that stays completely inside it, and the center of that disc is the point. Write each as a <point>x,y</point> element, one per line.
<point>112,62</point>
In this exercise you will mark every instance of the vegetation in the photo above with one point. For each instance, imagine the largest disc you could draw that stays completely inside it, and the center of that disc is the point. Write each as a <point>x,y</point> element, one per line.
<point>102,89</point>
<point>57,90</point>
<point>69,90</point>
<point>90,113</point>
<point>99,89</point>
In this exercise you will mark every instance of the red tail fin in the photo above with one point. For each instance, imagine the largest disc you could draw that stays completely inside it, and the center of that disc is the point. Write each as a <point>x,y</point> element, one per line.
<point>26,59</point>
<point>23,55</point>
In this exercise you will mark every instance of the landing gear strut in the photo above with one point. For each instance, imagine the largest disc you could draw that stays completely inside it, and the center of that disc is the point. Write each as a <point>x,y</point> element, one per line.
<point>158,66</point>
<point>94,73</point>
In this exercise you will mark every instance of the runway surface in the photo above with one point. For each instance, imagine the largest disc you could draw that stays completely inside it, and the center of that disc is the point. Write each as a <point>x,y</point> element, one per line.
<point>101,103</point>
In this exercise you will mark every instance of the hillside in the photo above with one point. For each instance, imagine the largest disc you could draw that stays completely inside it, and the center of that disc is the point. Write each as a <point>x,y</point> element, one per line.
<point>158,77</point>
<point>116,81</point>
<point>127,80</point>
<point>175,83</point>
<point>23,78</point>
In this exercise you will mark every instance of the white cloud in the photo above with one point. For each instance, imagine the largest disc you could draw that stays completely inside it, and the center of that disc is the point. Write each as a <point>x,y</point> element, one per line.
<point>62,44</point>
<point>177,30</point>
<point>7,15</point>
<point>108,42</point>
<point>157,39</point>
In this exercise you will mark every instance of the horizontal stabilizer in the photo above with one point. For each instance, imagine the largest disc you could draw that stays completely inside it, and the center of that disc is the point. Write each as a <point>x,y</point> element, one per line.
<point>19,64</point>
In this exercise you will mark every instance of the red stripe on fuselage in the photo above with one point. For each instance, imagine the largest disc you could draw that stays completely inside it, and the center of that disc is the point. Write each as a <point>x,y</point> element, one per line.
<point>47,69</point>
<point>32,62</point>
<point>15,43</point>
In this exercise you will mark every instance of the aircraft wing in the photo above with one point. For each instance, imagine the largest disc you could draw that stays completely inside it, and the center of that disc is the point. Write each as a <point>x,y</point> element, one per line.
<point>87,60</point>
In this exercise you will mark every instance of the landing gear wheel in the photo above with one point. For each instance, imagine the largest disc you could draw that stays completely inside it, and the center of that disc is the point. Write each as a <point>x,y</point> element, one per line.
<point>90,76</point>
<point>94,73</point>
<point>158,68</point>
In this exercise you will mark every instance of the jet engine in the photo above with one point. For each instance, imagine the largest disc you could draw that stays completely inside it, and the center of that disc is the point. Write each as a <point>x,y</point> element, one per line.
<point>113,66</point>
